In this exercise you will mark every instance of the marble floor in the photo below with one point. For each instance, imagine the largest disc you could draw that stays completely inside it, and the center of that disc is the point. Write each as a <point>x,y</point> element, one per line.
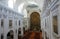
<point>32,35</point>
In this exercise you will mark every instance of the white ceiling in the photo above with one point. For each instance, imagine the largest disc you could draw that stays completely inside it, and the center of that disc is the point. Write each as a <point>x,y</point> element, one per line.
<point>39,2</point>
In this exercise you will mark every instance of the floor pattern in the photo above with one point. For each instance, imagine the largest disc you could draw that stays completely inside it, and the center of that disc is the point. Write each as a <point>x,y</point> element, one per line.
<point>32,35</point>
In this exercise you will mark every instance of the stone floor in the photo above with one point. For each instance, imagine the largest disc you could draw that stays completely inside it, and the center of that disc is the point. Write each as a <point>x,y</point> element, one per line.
<point>32,35</point>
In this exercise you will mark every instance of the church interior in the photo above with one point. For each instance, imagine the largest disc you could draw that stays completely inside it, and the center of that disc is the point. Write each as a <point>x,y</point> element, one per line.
<point>29,19</point>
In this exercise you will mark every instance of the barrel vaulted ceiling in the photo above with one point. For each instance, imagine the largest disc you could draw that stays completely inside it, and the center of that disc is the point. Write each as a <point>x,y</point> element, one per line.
<point>39,2</point>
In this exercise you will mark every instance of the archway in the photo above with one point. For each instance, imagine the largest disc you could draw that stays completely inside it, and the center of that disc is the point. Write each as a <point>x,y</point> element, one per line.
<point>19,33</point>
<point>10,35</point>
<point>35,21</point>
<point>24,30</point>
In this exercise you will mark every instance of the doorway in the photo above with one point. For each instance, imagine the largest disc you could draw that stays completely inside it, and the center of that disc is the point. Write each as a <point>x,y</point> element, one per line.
<point>10,35</point>
<point>19,33</point>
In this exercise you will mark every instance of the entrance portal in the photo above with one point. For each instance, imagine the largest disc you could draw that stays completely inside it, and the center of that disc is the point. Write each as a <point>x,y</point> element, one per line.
<point>19,33</point>
<point>10,35</point>
<point>35,21</point>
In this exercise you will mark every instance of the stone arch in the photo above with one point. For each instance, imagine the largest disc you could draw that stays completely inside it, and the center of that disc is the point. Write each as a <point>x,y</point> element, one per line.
<point>19,33</point>
<point>24,30</point>
<point>35,23</point>
<point>10,34</point>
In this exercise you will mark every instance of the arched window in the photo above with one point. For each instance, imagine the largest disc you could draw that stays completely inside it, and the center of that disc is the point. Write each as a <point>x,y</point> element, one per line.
<point>10,34</point>
<point>10,23</point>
<point>19,31</point>
<point>19,22</point>
<point>2,36</point>
<point>2,22</point>
<point>55,24</point>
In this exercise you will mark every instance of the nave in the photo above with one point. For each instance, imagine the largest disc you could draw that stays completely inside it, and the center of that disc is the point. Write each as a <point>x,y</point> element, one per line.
<point>32,35</point>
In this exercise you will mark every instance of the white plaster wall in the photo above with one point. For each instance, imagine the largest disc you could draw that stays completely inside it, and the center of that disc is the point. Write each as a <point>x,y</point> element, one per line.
<point>10,16</point>
<point>0,29</point>
<point>49,28</point>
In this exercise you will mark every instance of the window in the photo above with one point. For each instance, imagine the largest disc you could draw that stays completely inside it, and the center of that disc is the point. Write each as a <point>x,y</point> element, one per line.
<point>55,24</point>
<point>2,22</point>
<point>10,23</point>
<point>1,36</point>
<point>19,22</point>
<point>19,31</point>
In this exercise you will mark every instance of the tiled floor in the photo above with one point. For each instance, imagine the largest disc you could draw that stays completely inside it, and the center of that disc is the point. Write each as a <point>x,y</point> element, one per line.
<point>32,35</point>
